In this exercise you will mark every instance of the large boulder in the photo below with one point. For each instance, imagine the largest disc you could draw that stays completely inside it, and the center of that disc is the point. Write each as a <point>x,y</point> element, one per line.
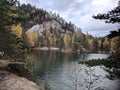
<point>17,68</point>
<point>9,81</point>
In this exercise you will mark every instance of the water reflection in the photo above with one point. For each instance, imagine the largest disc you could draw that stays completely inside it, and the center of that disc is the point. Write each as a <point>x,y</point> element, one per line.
<point>80,78</point>
<point>63,72</point>
<point>112,66</point>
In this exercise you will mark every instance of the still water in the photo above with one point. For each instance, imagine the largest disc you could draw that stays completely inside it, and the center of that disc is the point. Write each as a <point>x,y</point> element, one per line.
<point>61,71</point>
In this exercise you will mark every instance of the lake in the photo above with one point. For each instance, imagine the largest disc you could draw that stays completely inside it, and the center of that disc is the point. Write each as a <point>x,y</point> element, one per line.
<point>61,71</point>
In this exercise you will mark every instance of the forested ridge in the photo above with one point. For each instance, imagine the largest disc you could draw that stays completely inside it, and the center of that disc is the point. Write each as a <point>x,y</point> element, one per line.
<point>25,27</point>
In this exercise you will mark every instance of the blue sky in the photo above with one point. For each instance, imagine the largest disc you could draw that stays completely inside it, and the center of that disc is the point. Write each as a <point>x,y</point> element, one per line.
<point>80,13</point>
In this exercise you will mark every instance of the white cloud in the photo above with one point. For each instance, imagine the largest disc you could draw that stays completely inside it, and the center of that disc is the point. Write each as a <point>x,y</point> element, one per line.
<point>80,1</point>
<point>100,2</point>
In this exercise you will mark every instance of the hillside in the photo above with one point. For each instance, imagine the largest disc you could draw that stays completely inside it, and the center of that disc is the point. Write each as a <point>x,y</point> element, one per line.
<point>33,16</point>
<point>48,29</point>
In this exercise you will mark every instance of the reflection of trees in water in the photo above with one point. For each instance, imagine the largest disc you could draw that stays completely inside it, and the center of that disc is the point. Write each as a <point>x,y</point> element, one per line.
<point>51,59</point>
<point>45,61</point>
<point>91,78</point>
<point>82,78</point>
<point>112,65</point>
<point>29,59</point>
<point>113,73</point>
<point>73,78</point>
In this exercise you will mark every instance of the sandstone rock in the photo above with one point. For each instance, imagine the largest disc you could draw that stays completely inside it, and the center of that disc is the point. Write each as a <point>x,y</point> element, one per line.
<point>9,81</point>
<point>17,68</point>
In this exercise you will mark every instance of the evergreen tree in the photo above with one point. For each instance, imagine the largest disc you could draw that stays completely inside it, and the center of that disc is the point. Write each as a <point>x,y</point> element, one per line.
<point>8,17</point>
<point>112,16</point>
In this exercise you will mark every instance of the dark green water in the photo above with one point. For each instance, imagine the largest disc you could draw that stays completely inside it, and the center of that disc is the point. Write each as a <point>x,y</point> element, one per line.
<point>61,71</point>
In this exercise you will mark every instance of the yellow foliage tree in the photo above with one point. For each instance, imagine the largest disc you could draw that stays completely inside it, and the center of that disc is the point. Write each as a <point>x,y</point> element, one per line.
<point>66,40</point>
<point>106,44</point>
<point>32,38</point>
<point>99,43</point>
<point>90,42</point>
<point>114,43</point>
<point>17,30</point>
